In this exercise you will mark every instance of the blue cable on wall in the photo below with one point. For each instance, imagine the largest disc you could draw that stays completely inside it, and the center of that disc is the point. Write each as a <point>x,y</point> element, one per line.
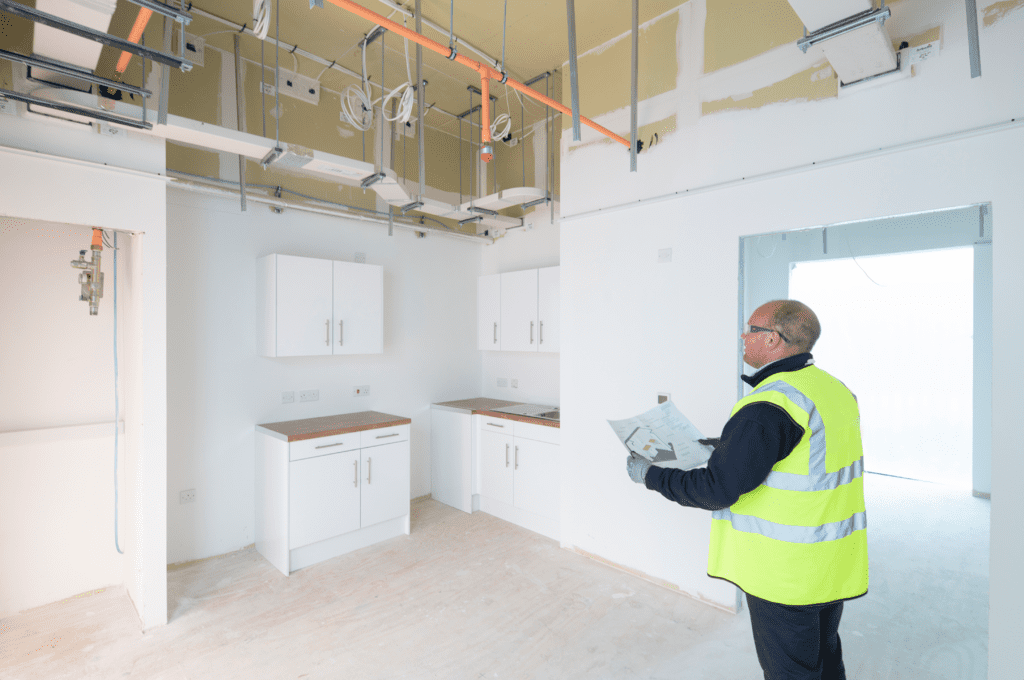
<point>117,409</point>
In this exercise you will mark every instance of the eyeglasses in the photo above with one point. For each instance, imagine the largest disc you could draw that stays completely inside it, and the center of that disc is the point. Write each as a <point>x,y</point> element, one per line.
<point>759,329</point>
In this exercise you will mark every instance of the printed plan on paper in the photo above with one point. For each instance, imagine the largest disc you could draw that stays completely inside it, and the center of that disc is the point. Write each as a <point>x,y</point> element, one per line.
<point>663,436</point>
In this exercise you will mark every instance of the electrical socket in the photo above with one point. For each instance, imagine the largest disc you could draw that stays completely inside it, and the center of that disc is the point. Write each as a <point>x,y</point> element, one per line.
<point>361,391</point>
<point>515,383</point>
<point>502,382</point>
<point>309,395</point>
<point>664,255</point>
<point>187,496</point>
<point>7,107</point>
<point>195,49</point>
<point>287,397</point>
<point>298,86</point>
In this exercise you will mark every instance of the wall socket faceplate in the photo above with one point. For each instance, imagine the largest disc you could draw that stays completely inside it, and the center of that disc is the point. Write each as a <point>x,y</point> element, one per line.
<point>287,397</point>
<point>361,391</point>
<point>309,395</point>
<point>515,382</point>
<point>298,86</point>
<point>502,382</point>
<point>195,49</point>
<point>187,496</point>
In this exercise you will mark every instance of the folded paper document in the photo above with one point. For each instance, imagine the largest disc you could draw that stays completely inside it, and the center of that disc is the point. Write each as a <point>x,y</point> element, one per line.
<point>663,436</point>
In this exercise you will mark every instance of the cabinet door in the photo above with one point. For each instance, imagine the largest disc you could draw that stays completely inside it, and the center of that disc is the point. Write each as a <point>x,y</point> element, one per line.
<point>548,336</point>
<point>323,497</point>
<point>385,481</point>
<point>537,473</point>
<point>358,308</point>
<point>303,306</point>
<point>519,311</point>
<point>495,460</point>
<point>488,312</point>
<point>451,445</point>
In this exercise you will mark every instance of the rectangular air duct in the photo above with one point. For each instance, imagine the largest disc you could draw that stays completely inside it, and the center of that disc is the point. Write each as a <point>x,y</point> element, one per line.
<point>53,44</point>
<point>851,35</point>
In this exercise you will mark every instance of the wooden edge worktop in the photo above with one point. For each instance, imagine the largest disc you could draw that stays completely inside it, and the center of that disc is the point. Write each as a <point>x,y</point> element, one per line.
<point>328,426</point>
<point>521,419</point>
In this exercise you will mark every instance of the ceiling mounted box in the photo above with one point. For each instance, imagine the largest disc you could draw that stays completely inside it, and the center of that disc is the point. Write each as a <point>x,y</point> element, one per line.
<point>817,14</point>
<point>862,53</point>
<point>71,49</point>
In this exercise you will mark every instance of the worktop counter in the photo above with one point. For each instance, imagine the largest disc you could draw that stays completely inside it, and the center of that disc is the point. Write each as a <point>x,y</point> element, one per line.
<point>328,426</point>
<point>485,406</point>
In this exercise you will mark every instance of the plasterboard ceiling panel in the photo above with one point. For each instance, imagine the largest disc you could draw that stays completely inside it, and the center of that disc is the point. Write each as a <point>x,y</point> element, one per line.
<point>820,13</point>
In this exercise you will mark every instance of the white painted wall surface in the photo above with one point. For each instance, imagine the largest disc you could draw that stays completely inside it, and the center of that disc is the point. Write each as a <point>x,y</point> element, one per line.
<point>536,372</point>
<point>219,388</point>
<point>114,185</point>
<point>688,346</point>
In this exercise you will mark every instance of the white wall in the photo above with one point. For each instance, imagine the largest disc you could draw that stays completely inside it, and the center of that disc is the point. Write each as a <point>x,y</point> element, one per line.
<point>684,338</point>
<point>112,184</point>
<point>219,388</point>
<point>536,372</point>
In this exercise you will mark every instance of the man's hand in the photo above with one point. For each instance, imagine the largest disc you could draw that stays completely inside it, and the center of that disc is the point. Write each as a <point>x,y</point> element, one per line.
<point>637,467</point>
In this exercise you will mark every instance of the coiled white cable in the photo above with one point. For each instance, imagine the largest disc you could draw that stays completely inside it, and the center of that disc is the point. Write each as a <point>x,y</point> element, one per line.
<point>261,18</point>
<point>356,105</point>
<point>501,132</point>
<point>407,98</point>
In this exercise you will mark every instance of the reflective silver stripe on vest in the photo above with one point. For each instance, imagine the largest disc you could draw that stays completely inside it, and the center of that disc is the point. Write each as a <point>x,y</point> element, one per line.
<point>793,534</point>
<point>789,481</point>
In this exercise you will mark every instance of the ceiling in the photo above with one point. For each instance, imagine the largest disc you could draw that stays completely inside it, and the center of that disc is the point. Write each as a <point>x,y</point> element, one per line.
<point>535,42</point>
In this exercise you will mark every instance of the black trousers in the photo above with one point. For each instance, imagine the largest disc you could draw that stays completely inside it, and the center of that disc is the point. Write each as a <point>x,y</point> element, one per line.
<point>797,642</point>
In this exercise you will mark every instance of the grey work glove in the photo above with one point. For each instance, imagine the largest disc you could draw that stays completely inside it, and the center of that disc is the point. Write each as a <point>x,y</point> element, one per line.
<point>713,442</point>
<point>637,467</point>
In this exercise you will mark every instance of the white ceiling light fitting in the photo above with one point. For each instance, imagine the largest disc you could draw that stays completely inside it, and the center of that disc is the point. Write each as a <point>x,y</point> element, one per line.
<point>858,46</point>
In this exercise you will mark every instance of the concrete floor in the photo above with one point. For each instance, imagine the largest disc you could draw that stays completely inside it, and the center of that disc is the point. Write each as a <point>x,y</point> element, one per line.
<point>470,596</point>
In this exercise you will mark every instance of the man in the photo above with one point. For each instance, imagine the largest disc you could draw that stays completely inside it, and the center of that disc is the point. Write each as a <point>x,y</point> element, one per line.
<point>785,482</point>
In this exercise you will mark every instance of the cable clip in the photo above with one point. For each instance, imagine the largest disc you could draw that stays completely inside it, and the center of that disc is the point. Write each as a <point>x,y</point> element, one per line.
<point>293,49</point>
<point>504,77</point>
<point>454,53</point>
<point>242,29</point>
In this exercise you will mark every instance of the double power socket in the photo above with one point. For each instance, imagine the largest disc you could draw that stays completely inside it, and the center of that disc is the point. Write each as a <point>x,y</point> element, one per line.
<point>314,395</point>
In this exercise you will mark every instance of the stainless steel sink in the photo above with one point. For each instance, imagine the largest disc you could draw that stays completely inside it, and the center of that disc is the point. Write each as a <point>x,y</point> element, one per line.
<point>532,411</point>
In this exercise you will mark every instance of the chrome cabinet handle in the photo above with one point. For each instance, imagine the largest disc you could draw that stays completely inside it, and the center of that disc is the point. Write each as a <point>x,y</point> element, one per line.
<point>341,333</point>
<point>517,458</point>
<point>328,332</point>
<point>531,332</point>
<point>495,425</point>
<point>495,332</point>
<point>506,455</point>
<point>355,466</point>
<point>385,436</point>
<point>327,446</point>
<point>369,469</point>
<point>542,332</point>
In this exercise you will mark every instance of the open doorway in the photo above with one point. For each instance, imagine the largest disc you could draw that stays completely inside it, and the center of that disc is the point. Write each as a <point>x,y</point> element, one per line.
<point>905,309</point>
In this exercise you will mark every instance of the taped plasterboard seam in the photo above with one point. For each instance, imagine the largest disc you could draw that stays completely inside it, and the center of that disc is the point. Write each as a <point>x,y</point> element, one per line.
<point>762,71</point>
<point>797,169</point>
<point>603,47</point>
<point>657,108</point>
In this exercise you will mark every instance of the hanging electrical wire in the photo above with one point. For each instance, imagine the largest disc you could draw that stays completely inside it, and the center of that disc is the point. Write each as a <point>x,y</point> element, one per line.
<point>504,119</point>
<point>261,18</point>
<point>405,93</point>
<point>356,104</point>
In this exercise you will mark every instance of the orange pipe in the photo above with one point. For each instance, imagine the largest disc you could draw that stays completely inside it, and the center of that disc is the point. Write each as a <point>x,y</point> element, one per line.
<point>134,36</point>
<point>97,239</point>
<point>486,72</point>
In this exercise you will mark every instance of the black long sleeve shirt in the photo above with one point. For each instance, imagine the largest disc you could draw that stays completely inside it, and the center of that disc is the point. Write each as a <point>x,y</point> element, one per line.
<point>757,437</point>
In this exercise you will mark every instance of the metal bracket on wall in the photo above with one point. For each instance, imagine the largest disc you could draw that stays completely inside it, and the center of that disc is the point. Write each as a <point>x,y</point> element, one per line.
<point>846,25</point>
<point>371,180</point>
<point>88,113</point>
<point>411,206</point>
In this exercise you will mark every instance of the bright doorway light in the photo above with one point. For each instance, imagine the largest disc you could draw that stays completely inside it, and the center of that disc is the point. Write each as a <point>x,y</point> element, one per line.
<point>898,331</point>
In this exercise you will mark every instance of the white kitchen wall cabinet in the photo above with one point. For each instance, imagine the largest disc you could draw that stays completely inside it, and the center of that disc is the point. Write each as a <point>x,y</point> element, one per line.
<point>548,330</point>
<point>313,307</point>
<point>518,473</point>
<point>488,312</point>
<point>324,496</point>
<point>519,311</point>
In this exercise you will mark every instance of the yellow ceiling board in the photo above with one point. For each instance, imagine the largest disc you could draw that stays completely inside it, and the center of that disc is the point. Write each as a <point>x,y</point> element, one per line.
<point>998,11</point>
<point>16,33</point>
<point>817,82</point>
<point>737,30</point>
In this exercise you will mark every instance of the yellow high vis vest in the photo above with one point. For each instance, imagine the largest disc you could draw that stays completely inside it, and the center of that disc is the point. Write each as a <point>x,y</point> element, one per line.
<point>801,536</point>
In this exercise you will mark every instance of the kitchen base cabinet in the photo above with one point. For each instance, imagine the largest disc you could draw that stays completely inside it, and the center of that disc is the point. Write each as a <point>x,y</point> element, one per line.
<point>451,447</point>
<point>519,473</point>
<point>323,497</point>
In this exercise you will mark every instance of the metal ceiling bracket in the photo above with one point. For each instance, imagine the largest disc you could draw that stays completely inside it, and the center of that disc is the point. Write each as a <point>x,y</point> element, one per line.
<point>483,211</point>
<point>73,71</point>
<point>454,53</point>
<point>271,156</point>
<point>570,11</point>
<point>411,206</point>
<point>536,79</point>
<point>373,35</point>
<point>530,204</point>
<point>61,24</point>
<point>421,96</point>
<point>240,113</point>
<point>475,218</point>
<point>633,86</point>
<point>371,180</point>
<point>165,76</point>
<point>972,38</point>
<point>88,113</point>
<point>180,16</point>
<point>846,25</point>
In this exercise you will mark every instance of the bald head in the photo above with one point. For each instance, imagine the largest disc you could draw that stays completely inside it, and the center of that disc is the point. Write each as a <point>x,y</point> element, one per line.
<point>796,321</point>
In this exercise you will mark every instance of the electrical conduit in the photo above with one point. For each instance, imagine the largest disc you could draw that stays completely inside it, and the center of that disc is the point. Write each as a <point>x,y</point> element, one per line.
<point>486,73</point>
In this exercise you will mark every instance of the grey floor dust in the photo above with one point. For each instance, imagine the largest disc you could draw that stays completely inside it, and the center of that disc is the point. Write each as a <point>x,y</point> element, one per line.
<point>470,596</point>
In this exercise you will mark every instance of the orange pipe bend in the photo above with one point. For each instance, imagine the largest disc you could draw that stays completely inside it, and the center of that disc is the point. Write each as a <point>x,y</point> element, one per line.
<point>485,71</point>
<point>134,36</point>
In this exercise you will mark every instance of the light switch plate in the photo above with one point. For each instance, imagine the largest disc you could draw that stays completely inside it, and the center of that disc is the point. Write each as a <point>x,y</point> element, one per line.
<point>515,383</point>
<point>502,382</point>
<point>664,255</point>
<point>287,397</point>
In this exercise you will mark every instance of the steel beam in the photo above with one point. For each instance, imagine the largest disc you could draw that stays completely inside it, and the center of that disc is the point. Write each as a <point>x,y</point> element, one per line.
<point>570,11</point>
<point>88,113</point>
<point>421,95</point>
<point>972,38</point>
<point>240,114</point>
<point>633,86</point>
<point>73,71</point>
